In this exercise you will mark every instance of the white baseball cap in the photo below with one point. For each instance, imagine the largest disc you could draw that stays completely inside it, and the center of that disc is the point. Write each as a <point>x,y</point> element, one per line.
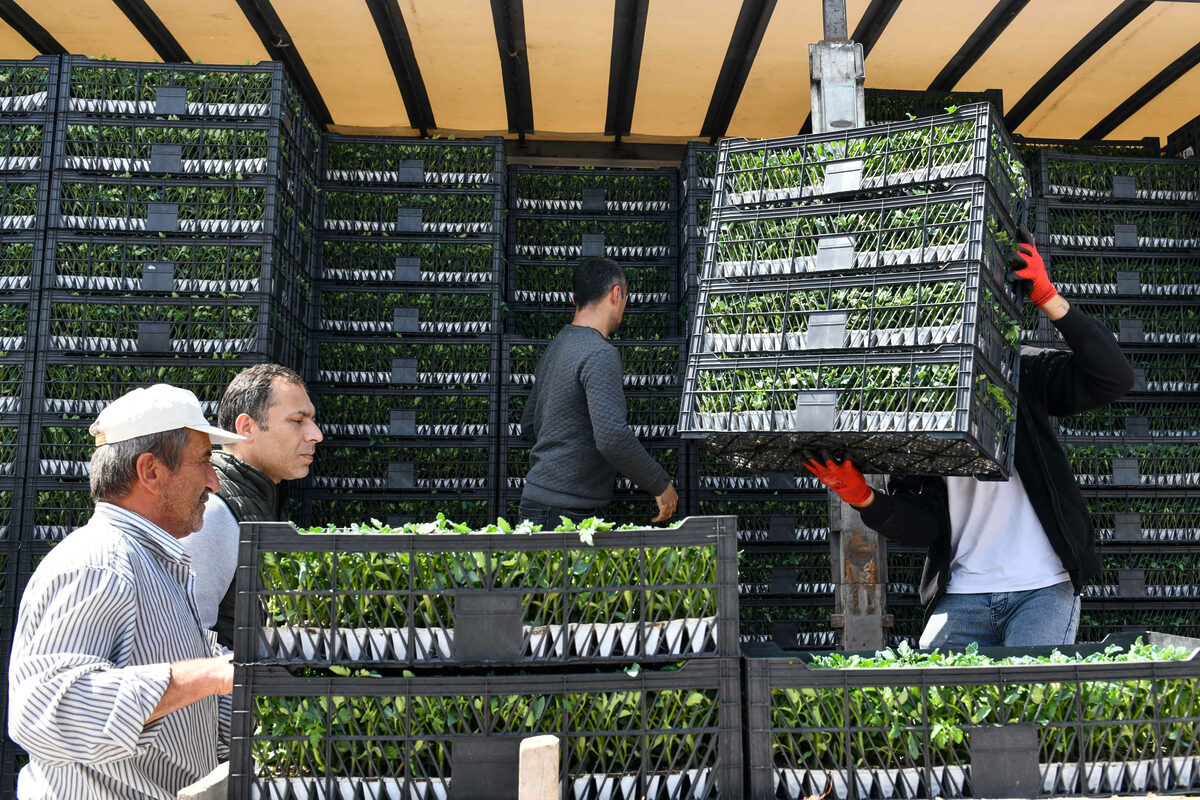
<point>160,408</point>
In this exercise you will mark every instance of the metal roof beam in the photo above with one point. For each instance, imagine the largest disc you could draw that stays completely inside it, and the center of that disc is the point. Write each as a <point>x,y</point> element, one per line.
<point>29,29</point>
<point>509,18</point>
<point>1154,87</point>
<point>278,43</point>
<point>739,58</point>
<point>152,30</point>
<point>629,33</point>
<point>1096,38</point>
<point>874,20</point>
<point>977,44</point>
<point>396,42</point>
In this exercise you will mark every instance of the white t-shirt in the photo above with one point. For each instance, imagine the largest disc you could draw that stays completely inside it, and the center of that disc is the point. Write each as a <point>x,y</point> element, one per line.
<point>997,543</point>
<point>214,553</point>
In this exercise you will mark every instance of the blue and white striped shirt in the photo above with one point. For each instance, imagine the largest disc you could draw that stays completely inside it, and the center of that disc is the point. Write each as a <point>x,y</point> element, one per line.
<point>104,616</point>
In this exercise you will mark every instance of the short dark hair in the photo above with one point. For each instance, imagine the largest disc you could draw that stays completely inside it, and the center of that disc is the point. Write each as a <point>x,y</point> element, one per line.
<point>594,276</point>
<point>252,392</point>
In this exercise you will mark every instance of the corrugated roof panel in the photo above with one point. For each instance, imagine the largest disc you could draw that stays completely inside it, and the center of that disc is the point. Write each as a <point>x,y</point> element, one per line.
<point>95,28</point>
<point>776,98</point>
<point>455,46</point>
<point>1041,34</point>
<point>1166,113</point>
<point>340,46</point>
<point>920,39</point>
<point>1146,46</point>
<point>570,49</point>
<point>215,31</point>
<point>13,44</point>
<point>684,47</point>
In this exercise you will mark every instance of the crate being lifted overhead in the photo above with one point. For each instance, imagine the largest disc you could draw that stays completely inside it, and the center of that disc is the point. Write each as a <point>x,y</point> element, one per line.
<point>853,297</point>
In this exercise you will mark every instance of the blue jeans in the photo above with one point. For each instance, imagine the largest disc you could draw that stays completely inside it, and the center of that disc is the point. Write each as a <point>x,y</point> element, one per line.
<point>548,516</point>
<point>1045,616</point>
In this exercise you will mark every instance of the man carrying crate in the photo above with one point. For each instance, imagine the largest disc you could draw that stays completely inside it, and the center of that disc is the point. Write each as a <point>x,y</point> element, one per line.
<point>576,415</point>
<point>1007,560</point>
<point>115,689</point>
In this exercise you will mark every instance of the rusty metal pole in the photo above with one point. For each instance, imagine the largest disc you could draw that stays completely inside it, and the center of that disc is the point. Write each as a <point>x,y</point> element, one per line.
<point>859,554</point>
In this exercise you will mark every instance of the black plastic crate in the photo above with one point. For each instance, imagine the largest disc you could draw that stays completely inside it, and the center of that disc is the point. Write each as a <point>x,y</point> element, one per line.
<point>81,386</point>
<point>228,93</point>
<point>1107,272</point>
<point>1084,177</point>
<point>14,436</point>
<point>1097,462</point>
<point>1119,148</point>
<point>788,623</point>
<point>23,200</point>
<point>513,598</point>
<point>1170,322</point>
<point>1125,516</point>
<point>588,190</point>
<point>21,262</point>
<point>372,160</point>
<point>548,282</point>
<point>514,463</point>
<point>354,309</point>
<point>435,362</point>
<point>141,324</point>
<point>711,472</point>
<point>385,412</point>
<point>11,585</point>
<point>648,323</point>
<point>61,448</point>
<point>29,86</point>
<point>427,210</point>
<point>1159,370</point>
<point>1093,729</point>
<point>776,518</point>
<point>792,571</point>
<point>1139,571</point>
<point>971,142</point>
<point>1123,226</point>
<point>936,413</point>
<point>1100,618</point>
<point>651,415</point>
<point>198,267</point>
<point>897,105</point>
<point>53,508</point>
<point>12,500</point>
<point>654,364</point>
<point>26,142</point>
<point>560,236</point>
<point>962,224</point>
<point>416,464</point>
<point>342,509</point>
<point>18,311</point>
<point>453,262</point>
<point>1175,418</point>
<point>656,735</point>
<point>955,304</point>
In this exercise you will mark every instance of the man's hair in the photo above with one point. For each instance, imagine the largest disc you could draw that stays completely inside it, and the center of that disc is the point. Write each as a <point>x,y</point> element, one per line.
<point>594,277</point>
<point>113,469</point>
<point>252,392</point>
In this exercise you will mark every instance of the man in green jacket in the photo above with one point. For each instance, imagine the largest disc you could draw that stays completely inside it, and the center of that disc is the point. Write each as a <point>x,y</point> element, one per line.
<point>268,404</point>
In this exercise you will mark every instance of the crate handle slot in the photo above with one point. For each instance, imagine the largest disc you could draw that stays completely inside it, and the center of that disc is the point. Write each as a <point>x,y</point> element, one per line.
<point>1125,235</point>
<point>411,170</point>
<point>594,199</point>
<point>158,276</point>
<point>408,269</point>
<point>593,244</point>
<point>835,251</point>
<point>166,157</point>
<point>1124,187</point>
<point>408,220</point>
<point>1127,527</point>
<point>843,176</point>
<point>406,320</point>
<point>488,626</point>
<point>154,337</point>
<point>162,217</point>
<point>170,100</point>
<point>400,475</point>
<point>404,370</point>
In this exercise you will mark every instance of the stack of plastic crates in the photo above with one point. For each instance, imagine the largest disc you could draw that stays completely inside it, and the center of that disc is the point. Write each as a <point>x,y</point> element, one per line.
<point>1121,238</point>
<point>697,175</point>
<point>407,330</point>
<point>853,299</point>
<point>179,250</point>
<point>556,217</point>
<point>412,664</point>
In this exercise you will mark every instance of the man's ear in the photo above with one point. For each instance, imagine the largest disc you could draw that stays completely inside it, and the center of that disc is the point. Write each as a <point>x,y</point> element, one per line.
<point>245,425</point>
<point>152,474</point>
<point>614,294</point>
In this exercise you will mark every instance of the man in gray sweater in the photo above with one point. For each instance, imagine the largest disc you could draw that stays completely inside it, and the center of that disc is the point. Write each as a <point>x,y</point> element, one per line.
<point>576,415</point>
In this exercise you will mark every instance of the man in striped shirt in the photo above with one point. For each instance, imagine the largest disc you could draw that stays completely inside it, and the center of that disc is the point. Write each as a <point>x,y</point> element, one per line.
<point>115,689</point>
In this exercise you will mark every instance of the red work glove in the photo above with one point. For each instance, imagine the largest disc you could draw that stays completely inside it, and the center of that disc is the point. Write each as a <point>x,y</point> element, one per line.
<point>1028,265</point>
<point>843,478</point>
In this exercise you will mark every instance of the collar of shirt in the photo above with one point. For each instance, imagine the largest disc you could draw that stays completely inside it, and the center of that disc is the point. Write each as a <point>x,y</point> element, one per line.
<point>152,537</point>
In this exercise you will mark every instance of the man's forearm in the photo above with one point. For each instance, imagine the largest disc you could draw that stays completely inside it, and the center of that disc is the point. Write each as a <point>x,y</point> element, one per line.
<point>194,680</point>
<point>1055,308</point>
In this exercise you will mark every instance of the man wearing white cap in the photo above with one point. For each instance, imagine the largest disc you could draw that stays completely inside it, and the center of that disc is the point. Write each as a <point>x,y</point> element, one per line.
<point>115,689</point>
